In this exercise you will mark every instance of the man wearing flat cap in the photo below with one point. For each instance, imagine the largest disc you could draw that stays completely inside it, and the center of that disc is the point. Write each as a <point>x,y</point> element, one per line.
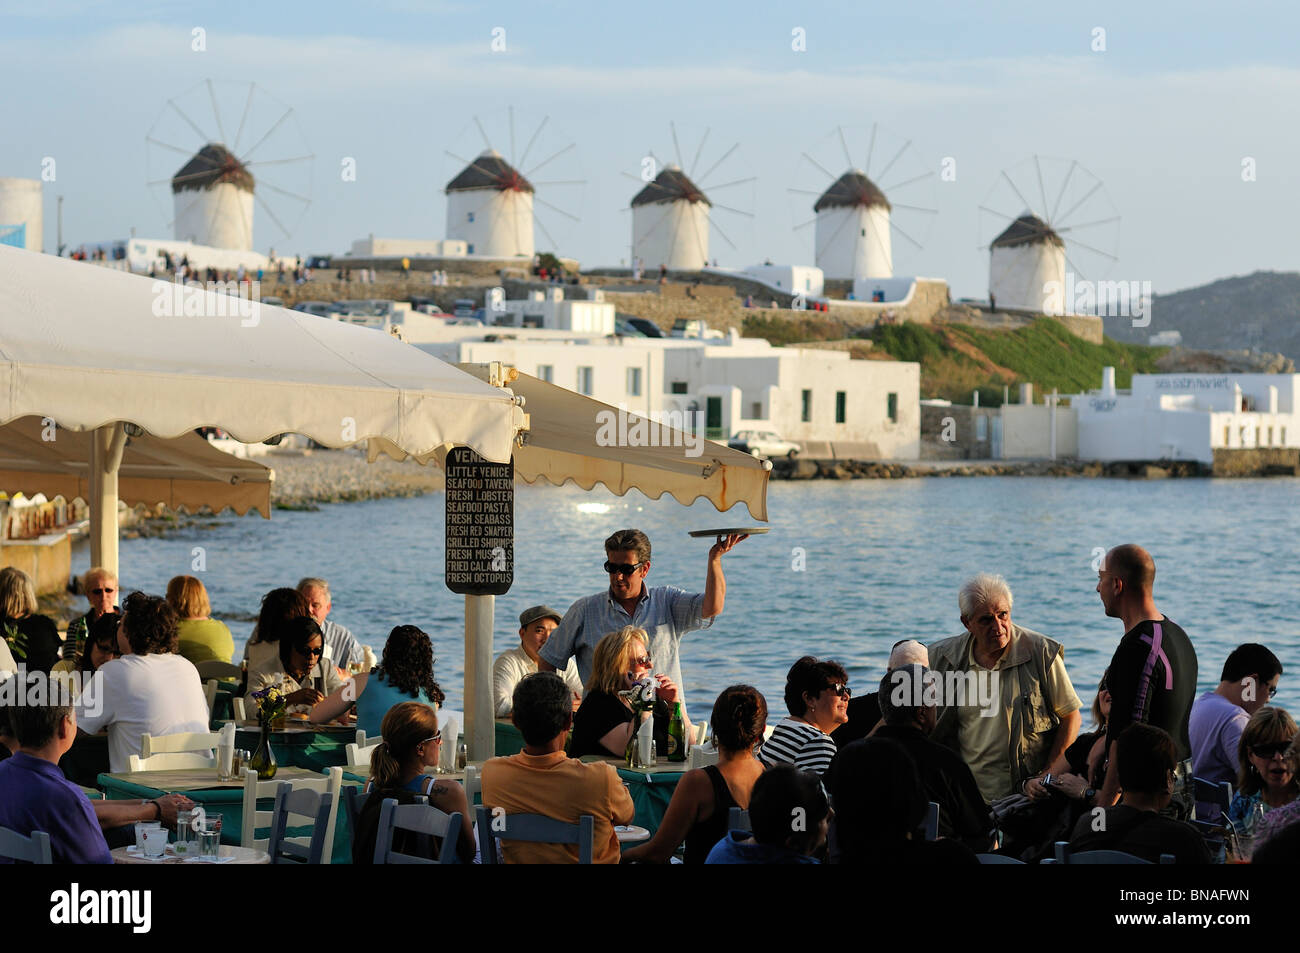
<point>535,627</point>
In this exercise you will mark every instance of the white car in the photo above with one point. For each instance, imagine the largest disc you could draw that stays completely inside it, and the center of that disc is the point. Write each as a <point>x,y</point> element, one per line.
<point>763,443</point>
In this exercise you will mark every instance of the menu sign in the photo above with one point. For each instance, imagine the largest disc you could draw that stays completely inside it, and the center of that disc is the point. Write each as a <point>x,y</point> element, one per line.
<point>480,524</point>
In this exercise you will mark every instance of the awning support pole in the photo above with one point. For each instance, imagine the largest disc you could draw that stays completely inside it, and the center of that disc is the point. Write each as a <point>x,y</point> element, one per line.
<point>480,713</point>
<point>106,447</point>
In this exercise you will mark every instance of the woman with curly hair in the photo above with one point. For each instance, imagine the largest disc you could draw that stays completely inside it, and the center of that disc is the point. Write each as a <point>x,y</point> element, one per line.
<point>405,673</point>
<point>701,806</point>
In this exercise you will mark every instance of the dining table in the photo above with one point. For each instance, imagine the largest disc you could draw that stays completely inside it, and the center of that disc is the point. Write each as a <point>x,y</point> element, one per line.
<point>299,744</point>
<point>227,854</point>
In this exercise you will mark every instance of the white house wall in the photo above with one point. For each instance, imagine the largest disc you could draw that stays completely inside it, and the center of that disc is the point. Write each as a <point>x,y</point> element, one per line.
<point>493,223</point>
<point>673,234</point>
<point>20,204</point>
<point>218,217</point>
<point>854,242</point>
<point>1018,275</point>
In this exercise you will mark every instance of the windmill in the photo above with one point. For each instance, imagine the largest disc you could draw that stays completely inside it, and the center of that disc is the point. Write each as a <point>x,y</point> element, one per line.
<point>1039,217</point>
<point>672,215</point>
<point>859,212</point>
<point>493,199</point>
<point>222,178</point>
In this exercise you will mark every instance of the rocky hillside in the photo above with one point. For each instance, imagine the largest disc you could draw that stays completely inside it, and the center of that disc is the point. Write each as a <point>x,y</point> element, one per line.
<point>1259,311</point>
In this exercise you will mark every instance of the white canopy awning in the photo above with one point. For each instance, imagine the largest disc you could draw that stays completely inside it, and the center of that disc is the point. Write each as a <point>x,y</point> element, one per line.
<point>89,346</point>
<point>187,472</point>
<point>572,437</point>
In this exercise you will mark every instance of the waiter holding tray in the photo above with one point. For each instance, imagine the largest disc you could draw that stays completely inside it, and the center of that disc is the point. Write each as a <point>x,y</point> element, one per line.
<point>666,612</point>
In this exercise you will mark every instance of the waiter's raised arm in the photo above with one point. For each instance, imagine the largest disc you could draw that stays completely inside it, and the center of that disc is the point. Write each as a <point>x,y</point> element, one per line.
<point>715,584</point>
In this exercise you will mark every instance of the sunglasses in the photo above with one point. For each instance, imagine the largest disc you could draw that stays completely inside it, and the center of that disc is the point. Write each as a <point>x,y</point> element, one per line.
<point>1270,750</point>
<point>623,569</point>
<point>644,661</point>
<point>314,651</point>
<point>436,739</point>
<point>842,690</point>
<point>104,591</point>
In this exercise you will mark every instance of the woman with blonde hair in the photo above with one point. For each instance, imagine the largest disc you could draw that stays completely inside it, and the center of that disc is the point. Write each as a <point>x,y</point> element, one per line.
<point>200,637</point>
<point>33,639</point>
<point>1267,778</point>
<point>411,743</point>
<point>605,721</point>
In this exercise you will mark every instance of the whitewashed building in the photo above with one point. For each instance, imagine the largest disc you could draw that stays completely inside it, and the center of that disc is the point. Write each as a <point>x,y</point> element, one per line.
<point>212,198</point>
<point>490,209</point>
<point>1022,261</point>
<point>670,223</point>
<point>852,239</point>
<point>551,310</point>
<point>373,247</point>
<point>1188,416</point>
<point>21,214</point>
<point>869,409</point>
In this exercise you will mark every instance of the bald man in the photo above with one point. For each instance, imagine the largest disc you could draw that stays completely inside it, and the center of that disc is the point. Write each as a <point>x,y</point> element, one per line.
<point>864,711</point>
<point>1152,675</point>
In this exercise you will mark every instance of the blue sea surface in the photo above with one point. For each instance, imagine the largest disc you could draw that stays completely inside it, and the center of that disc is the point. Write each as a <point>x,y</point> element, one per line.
<point>848,568</point>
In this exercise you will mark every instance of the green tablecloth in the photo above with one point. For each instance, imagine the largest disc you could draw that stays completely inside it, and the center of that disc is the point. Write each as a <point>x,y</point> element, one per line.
<point>229,803</point>
<point>315,750</point>
<point>651,794</point>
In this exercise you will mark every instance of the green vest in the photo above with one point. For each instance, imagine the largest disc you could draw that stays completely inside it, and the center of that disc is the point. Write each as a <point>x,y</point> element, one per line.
<point>1023,668</point>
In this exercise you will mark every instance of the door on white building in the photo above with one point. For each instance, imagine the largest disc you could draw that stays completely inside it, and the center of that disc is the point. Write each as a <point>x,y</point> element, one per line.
<point>713,429</point>
<point>997,438</point>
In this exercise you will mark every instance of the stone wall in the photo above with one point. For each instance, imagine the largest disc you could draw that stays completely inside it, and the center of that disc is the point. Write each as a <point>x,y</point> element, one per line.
<point>1253,462</point>
<point>957,422</point>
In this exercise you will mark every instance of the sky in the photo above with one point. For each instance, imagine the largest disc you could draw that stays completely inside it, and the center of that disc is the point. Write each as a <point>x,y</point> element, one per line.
<point>1184,115</point>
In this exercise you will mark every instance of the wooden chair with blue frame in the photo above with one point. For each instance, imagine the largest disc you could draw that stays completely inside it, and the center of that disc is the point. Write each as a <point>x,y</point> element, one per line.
<point>418,818</point>
<point>931,826</point>
<point>1064,855</point>
<point>306,803</point>
<point>33,850</point>
<point>533,828</point>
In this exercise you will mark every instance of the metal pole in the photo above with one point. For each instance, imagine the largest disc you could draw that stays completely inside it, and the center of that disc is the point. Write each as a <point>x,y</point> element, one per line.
<point>1054,399</point>
<point>480,714</point>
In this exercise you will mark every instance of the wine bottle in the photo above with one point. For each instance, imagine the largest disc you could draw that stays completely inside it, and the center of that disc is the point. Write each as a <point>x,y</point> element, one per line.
<point>676,735</point>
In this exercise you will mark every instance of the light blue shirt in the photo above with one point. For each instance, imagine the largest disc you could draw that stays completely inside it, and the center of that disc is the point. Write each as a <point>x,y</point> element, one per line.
<point>344,647</point>
<point>665,612</point>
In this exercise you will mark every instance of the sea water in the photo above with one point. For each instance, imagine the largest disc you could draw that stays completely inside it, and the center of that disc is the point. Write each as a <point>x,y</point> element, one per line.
<point>847,569</point>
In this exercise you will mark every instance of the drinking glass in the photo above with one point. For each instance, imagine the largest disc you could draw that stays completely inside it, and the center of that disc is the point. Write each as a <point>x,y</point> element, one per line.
<point>210,839</point>
<point>155,841</point>
<point>140,828</point>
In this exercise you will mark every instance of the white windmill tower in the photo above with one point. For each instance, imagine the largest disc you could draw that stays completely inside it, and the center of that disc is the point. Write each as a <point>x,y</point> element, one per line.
<point>1033,246</point>
<point>855,218</point>
<point>492,200</point>
<point>21,217</point>
<point>214,192</point>
<point>672,215</point>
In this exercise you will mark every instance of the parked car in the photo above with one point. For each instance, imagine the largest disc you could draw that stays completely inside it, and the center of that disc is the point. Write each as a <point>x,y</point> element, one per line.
<point>646,327</point>
<point>763,443</point>
<point>273,301</point>
<point>627,329</point>
<point>463,308</point>
<point>324,309</point>
<point>318,261</point>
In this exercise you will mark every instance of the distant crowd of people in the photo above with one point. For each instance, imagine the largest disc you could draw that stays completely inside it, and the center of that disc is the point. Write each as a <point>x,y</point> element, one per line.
<point>970,746</point>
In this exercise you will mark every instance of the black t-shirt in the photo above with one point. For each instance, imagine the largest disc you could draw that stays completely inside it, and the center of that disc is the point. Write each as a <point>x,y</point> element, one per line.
<point>42,637</point>
<point>864,713</point>
<point>1144,834</point>
<point>600,713</point>
<point>1153,680</point>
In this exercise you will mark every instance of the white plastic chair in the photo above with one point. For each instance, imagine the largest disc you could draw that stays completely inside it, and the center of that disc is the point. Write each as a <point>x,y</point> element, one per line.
<point>237,708</point>
<point>191,749</point>
<point>210,695</point>
<point>253,818</point>
<point>473,784</point>
<point>359,751</point>
<point>701,755</point>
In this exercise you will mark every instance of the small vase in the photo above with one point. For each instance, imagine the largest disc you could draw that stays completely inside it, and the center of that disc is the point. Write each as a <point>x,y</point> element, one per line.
<point>263,760</point>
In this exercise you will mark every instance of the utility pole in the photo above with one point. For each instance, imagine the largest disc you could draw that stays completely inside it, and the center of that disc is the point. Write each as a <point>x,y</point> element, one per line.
<point>60,227</point>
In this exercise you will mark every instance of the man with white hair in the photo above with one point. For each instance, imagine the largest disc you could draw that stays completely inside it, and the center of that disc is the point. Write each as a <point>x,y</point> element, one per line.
<point>341,645</point>
<point>1007,705</point>
<point>864,711</point>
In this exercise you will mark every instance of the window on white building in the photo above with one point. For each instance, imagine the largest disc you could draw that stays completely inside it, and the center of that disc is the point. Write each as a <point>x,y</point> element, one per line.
<point>471,216</point>
<point>1270,436</point>
<point>756,410</point>
<point>546,372</point>
<point>585,377</point>
<point>806,412</point>
<point>634,381</point>
<point>981,427</point>
<point>841,406</point>
<point>891,405</point>
<point>679,387</point>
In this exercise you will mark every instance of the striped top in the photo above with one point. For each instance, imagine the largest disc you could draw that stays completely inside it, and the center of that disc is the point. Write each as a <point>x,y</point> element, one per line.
<point>800,744</point>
